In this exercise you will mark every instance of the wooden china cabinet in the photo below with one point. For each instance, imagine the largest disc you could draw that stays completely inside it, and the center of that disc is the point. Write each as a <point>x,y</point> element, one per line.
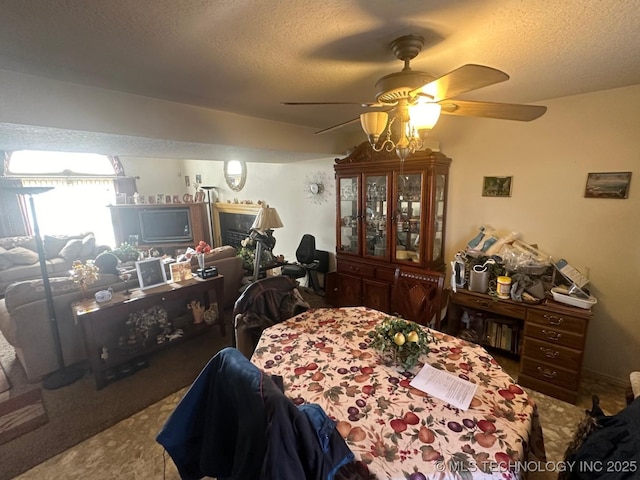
<point>389,214</point>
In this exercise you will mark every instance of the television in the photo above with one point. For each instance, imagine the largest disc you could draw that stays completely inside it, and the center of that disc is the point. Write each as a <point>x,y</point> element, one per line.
<point>166,225</point>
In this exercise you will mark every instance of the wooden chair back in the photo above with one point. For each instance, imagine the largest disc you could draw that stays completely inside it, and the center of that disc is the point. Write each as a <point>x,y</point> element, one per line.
<point>417,296</point>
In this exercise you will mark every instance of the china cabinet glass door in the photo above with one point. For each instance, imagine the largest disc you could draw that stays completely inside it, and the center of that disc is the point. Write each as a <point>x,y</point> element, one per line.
<point>438,226</point>
<point>348,214</point>
<point>375,215</point>
<point>408,217</point>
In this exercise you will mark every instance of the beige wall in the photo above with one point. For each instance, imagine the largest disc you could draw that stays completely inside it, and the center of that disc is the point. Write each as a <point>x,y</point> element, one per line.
<point>549,160</point>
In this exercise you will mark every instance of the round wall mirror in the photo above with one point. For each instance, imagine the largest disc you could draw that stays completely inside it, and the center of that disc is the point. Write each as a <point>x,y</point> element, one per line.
<point>235,174</point>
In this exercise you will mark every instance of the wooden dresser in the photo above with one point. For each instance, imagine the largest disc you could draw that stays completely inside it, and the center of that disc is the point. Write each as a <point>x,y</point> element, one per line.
<point>550,339</point>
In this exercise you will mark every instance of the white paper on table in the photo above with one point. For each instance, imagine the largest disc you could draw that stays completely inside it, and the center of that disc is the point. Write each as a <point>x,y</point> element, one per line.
<point>444,386</point>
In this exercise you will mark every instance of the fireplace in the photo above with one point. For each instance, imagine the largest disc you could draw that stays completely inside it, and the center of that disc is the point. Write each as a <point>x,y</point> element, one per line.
<point>232,222</point>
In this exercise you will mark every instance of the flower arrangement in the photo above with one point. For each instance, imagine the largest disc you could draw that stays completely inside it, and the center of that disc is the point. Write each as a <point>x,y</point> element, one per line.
<point>203,247</point>
<point>401,340</point>
<point>84,274</point>
<point>126,252</point>
<point>247,252</point>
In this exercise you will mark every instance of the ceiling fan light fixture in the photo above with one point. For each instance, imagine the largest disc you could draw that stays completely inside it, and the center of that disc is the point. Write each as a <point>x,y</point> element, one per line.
<point>373,124</point>
<point>424,115</point>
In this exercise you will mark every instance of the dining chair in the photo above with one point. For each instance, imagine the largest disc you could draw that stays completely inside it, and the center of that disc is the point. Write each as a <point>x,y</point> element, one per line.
<point>417,296</point>
<point>264,303</point>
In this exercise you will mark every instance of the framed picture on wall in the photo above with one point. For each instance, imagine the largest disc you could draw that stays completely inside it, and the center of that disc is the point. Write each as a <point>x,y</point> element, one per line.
<point>497,186</point>
<point>151,273</point>
<point>608,185</point>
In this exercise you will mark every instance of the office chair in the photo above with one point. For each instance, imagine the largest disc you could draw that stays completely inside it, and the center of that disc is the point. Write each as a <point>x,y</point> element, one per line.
<point>417,296</point>
<point>307,265</point>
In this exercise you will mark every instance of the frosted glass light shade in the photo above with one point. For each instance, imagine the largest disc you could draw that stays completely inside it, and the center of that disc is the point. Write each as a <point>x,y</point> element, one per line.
<point>424,115</point>
<point>373,124</point>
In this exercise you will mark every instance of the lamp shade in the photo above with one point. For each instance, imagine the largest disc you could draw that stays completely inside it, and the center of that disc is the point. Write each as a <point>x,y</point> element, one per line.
<point>267,219</point>
<point>373,124</point>
<point>424,115</point>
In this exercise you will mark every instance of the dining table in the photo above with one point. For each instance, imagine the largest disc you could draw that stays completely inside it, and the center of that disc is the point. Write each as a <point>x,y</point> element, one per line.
<point>397,431</point>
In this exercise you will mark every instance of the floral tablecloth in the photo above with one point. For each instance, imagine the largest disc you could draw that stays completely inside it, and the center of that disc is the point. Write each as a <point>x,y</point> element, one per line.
<point>395,430</point>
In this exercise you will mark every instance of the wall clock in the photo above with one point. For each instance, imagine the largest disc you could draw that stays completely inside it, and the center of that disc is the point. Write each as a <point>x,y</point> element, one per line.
<point>316,186</point>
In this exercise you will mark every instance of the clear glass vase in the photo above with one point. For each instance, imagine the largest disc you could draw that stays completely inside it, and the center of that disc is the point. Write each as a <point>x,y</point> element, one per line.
<point>200,257</point>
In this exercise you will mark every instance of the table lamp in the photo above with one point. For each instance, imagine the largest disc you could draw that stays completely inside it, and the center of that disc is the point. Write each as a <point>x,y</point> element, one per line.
<point>267,219</point>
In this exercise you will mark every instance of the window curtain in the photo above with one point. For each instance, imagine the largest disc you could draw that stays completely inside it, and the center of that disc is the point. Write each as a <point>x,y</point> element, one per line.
<point>75,206</point>
<point>13,207</point>
<point>13,210</point>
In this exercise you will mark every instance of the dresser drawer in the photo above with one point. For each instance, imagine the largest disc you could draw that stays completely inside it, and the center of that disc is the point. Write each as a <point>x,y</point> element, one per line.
<point>558,321</point>
<point>549,373</point>
<point>488,305</point>
<point>554,336</point>
<point>551,353</point>
<point>358,269</point>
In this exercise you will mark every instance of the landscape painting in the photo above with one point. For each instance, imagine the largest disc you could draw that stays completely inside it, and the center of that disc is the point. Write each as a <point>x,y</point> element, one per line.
<point>496,186</point>
<point>608,185</point>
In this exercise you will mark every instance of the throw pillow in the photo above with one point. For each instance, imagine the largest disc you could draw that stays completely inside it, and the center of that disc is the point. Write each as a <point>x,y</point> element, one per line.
<point>88,246</point>
<point>5,261</point>
<point>21,256</point>
<point>29,244</point>
<point>53,245</point>
<point>71,250</point>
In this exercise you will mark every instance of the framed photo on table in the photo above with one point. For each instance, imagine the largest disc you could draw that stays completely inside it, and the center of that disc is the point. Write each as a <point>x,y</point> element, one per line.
<point>180,271</point>
<point>151,273</point>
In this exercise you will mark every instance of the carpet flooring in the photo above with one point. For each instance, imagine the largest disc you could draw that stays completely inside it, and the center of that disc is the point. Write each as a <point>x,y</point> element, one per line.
<point>78,411</point>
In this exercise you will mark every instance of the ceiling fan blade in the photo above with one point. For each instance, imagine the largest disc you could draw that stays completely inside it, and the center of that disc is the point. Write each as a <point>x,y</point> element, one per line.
<point>504,111</point>
<point>362,104</point>
<point>339,125</point>
<point>461,80</point>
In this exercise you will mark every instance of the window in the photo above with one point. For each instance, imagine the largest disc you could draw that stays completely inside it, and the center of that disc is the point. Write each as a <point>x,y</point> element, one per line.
<point>83,190</point>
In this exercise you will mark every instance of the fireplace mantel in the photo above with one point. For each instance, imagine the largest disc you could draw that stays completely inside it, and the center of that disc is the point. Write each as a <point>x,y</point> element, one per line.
<point>232,221</point>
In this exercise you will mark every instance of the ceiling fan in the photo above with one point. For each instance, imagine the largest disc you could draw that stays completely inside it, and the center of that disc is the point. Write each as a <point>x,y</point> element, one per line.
<point>416,99</point>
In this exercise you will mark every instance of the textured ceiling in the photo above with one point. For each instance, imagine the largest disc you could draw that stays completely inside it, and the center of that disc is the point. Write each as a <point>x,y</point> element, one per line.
<point>247,56</point>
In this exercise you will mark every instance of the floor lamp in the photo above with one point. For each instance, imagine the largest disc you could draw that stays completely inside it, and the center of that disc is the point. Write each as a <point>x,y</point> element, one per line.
<point>64,375</point>
<point>210,210</point>
<point>266,219</point>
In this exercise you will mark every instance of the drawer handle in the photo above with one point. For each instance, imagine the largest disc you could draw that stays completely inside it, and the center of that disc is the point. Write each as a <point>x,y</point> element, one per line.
<point>483,303</point>
<point>354,269</point>
<point>545,372</point>
<point>549,353</point>
<point>554,319</point>
<point>551,335</point>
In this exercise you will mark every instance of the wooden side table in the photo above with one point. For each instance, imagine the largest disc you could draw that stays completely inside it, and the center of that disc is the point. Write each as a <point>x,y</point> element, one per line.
<point>129,327</point>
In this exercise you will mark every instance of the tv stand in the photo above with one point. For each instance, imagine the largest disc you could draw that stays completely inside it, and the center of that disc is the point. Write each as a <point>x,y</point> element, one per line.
<point>126,223</point>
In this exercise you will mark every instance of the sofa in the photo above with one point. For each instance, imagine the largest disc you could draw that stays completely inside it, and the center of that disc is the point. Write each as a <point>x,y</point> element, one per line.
<point>19,258</point>
<point>25,324</point>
